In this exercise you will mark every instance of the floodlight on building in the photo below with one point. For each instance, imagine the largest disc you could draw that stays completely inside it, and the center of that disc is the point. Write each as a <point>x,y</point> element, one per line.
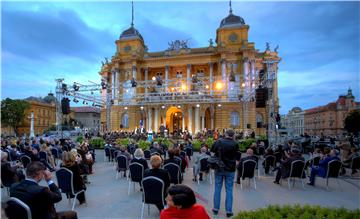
<point>141,107</point>
<point>219,85</point>
<point>207,86</point>
<point>219,105</point>
<point>197,105</point>
<point>183,86</point>
<point>243,85</point>
<point>125,108</point>
<point>162,107</point>
<point>153,78</point>
<point>179,106</point>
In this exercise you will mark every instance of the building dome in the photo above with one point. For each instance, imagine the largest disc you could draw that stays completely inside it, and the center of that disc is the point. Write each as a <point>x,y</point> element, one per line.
<point>131,33</point>
<point>296,110</point>
<point>232,21</point>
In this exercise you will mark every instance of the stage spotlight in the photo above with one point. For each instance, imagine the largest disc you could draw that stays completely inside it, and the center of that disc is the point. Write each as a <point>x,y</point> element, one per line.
<point>64,87</point>
<point>76,87</point>
<point>76,100</point>
<point>103,84</point>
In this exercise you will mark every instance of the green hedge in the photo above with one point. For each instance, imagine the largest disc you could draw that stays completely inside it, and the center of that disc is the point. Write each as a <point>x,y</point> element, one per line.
<point>144,145</point>
<point>80,139</point>
<point>123,141</point>
<point>244,144</point>
<point>209,142</point>
<point>297,211</point>
<point>97,143</point>
<point>196,145</point>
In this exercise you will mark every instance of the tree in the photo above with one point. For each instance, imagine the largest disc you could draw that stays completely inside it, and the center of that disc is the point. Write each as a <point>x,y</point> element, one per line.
<point>352,122</point>
<point>13,112</point>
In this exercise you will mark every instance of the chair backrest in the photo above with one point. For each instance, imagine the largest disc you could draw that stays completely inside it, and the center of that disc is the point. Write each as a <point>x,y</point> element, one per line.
<point>316,161</point>
<point>355,163</point>
<point>153,190</point>
<point>174,171</point>
<point>42,155</point>
<point>25,160</point>
<point>65,180</point>
<point>333,169</point>
<point>107,151</point>
<point>238,155</point>
<point>278,156</point>
<point>136,172</point>
<point>261,150</point>
<point>17,209</point>
<point>55,153</point>
<point>183,153</point>
<point>204,166</point>
<point>189,151</point>
<point>270,160</point>
<point>179,160</point>
<point>248,168</point>
<point>147,154</point>
<point>122,162</point>
<point>297,168</point>
<point>112,152</point>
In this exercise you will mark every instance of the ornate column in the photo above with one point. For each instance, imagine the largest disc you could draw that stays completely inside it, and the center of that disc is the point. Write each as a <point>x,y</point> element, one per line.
<point>134,73</point>
<point>149,118</point>
<point>183,122</point>
<point>197,119</point>
<point>211,65</point>
<point>212,115</point>
<point>223,70</point>
<point>202,122</point>
<point>245,92</point>
<point>166,77</point>
<point>156,120</point>
<point>146,79</point>
<point>117,86</point>
<point>188,79</point>
<point>190,119</point>
<point>113,84</point>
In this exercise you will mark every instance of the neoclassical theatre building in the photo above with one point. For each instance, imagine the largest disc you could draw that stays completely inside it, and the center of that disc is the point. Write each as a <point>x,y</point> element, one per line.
<point>228,84</point>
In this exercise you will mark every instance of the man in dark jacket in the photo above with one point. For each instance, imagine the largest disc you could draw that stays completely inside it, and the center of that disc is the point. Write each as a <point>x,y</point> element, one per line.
<point>250,156</point>
<point>284,169</point>
<point>40,199</point>
<point>225,149</point>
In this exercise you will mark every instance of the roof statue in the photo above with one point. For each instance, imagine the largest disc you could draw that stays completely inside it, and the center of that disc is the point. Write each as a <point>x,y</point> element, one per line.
<point>211,43</point>
<point>177,45</point>
<point>276,48</point>
<point>267,46</point>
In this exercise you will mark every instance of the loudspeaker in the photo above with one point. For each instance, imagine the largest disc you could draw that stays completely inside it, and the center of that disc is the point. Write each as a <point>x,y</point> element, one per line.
<point>65,105</point>
<point>261,97</point>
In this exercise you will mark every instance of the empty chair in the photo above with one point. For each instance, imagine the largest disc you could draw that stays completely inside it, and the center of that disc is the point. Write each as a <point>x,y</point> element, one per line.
<point>17,209</point>
<point>333,171</point>
<point>153,192</point>
<point>147,154</point>
<point>174,171</point>
<point>122,165</point>
<point>43,156</point>
<point>66,185</point>
<point>136,174</point>
<point>107,154</point>
<point>112,153</point>
<point>355,164</point>
<point>296,171</point>
<point>205,169</point>
<point>248,171</point>
<point>25,160</point>
<point>55,153</point>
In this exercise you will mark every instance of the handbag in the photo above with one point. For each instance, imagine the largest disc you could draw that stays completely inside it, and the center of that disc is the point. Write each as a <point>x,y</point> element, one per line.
<point>216,163</point>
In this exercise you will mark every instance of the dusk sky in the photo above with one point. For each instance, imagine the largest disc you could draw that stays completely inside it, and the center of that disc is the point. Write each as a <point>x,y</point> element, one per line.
<point>318,41</point>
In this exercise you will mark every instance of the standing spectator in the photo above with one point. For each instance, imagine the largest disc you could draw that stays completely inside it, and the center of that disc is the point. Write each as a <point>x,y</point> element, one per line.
<point>181,203</point>
<point>226,150</point>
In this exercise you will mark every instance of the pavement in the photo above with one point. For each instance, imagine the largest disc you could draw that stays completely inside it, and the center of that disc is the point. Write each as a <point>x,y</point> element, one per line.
<point>107,197</point>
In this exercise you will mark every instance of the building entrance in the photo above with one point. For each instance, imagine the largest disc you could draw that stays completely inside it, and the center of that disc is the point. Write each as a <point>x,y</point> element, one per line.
<point>174,119</point>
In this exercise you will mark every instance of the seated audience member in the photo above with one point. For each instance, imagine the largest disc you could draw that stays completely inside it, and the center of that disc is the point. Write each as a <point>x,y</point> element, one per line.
<point>86,157</point>
<point>172,159</point>
<point>50,159</point>
<point>69,162</point>
<point>321,170</point>
<point>155,162</point>
<point>139,158</point>
<point>183,159</point>
<point>268,152</point>
<point>347,162</point>
<point>181,203</point>
<point>32,153</point>
<point>40,199</point>
<point>284,170</point>
<point>250,156</point>
<point>197,164</point>
<point>10,174</point>
<point>122,151</point>
<point>156,149</point>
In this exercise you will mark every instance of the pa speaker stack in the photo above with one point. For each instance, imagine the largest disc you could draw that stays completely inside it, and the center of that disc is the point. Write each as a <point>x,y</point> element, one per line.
<point>261,97</point>
<point>65,105</point>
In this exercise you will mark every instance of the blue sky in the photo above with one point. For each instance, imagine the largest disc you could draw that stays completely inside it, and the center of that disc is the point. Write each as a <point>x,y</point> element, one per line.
<point>319,41</point>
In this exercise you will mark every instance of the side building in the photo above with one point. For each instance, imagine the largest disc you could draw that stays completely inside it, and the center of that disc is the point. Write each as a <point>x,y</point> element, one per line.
<point>86,117</point>
<point>294,122</point>
<point>223,85</point>
<point>329,119</point>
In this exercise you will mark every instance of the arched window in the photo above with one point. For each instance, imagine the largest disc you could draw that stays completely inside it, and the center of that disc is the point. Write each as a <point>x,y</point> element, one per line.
<point>235,119</point>
<point>125,120</point>
<point>259,120</point>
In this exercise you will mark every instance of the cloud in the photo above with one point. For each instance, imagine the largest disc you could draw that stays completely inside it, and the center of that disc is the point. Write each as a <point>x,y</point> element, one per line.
<point>39,35</point>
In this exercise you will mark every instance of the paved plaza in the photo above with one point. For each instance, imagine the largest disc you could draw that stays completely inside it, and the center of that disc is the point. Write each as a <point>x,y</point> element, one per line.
<point>107,196</point>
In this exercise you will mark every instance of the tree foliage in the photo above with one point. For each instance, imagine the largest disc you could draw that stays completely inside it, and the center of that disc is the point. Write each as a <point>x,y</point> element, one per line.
<point>352,122</point>
<point>13,112</point>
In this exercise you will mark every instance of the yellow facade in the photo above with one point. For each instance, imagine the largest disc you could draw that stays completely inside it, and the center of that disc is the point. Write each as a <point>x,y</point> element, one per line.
<point>222,96</point>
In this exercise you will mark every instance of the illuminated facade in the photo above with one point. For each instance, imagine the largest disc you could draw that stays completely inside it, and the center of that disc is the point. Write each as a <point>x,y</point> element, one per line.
<point>182,88</point>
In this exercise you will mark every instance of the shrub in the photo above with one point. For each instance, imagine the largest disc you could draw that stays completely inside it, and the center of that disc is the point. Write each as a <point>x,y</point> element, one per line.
<point>97,143</point>
<point>297,211</point>
<point>197,145</point>
<point>209,142</point>
<point>123,141</point>
<point>79,139</point>
<point>244,144</point>
<point>164,141</point>
<point>144,145</point>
